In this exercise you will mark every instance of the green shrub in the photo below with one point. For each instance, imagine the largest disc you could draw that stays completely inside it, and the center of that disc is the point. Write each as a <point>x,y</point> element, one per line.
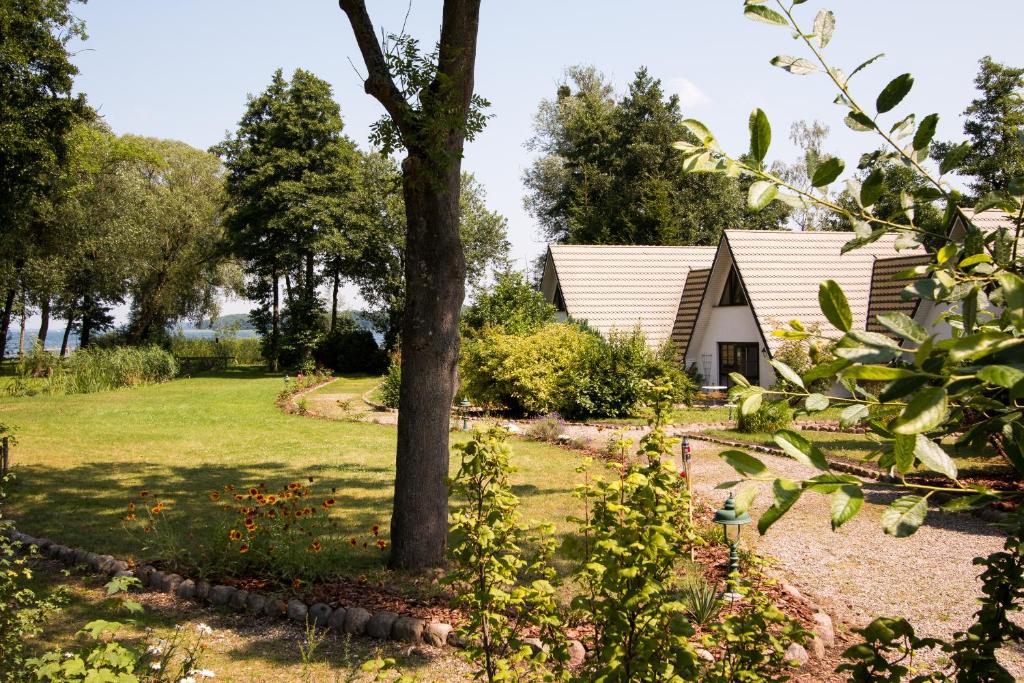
<point>391,386</point>
<point>546,429</point>
<point>38,362</point>
<point>247,351</point>
<point>351,350</point>
<point>512,306</point>
<point>568,369</point>
<point>90,370</point>
<point>770,417</point>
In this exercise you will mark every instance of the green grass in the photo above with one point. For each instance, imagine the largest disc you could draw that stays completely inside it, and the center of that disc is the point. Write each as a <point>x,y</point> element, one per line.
<point>699,414</point>
<point>81,458</point>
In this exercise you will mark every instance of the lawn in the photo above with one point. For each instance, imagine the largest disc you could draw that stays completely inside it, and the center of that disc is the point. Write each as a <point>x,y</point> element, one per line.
<point>81,458</point>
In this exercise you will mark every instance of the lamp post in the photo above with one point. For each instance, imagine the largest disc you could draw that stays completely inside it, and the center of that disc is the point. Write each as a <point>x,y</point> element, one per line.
<point>464,407</point>
<point>732,524</point>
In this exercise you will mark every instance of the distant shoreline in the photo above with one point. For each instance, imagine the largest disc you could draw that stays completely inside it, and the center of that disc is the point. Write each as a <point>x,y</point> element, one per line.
<point>54,338</point>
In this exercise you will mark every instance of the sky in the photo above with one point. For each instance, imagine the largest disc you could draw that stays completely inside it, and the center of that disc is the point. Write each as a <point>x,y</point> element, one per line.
<point>183,69</point>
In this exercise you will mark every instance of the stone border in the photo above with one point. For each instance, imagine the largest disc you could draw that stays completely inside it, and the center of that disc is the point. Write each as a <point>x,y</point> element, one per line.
<point>353,620</point>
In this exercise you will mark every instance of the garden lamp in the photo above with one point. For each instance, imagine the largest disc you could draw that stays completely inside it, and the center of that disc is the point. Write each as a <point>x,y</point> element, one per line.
<point>464,407</point>
<point>732,524</point>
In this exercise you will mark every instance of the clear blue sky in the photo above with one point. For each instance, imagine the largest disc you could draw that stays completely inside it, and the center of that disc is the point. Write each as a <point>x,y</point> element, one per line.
<point>182,69</point>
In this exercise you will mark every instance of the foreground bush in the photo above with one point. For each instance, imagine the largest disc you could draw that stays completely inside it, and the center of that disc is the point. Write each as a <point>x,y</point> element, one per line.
<point>89,370</point>
<point>567,369</point>
<point>770,417</point>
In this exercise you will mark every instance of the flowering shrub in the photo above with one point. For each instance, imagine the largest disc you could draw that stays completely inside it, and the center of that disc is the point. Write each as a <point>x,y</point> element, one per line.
<point>285,534</point>
<point>301,382</point>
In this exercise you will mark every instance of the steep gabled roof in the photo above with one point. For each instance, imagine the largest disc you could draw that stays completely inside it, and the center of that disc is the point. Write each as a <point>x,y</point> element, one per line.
<point>689,306</point>
<point>617,287</point>
<point>781,271</point>
<point>887,292</point>
<point>990,219</point>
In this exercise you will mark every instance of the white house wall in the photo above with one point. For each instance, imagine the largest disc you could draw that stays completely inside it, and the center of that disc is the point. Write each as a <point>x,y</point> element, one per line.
<point>723,324</point>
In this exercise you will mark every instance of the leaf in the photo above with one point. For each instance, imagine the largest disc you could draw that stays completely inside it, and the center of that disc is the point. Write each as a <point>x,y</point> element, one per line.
<point>902,127</point>
<point>859,121</point>
<point>739,379</point>
<point>1013,297</point>
<point>816,402</point>
<point>825,370</point>
<point>893,93</point>
<point>903,446</point>
<point>794,65</point>
<point>744,498</point>
<point>824,25</point>
<point>764,15</point>
<point>760,134</point>
<point>904,516</point>
<point>877,373</point>
<point>786,493</point>
<point>751,403</point>
<point>743,463</point>
<point>835,306</point>
<point>827,171</point>
<point>853,414</point>
<point>865,64</point>
<point>761,194</point>
<point>925,131</point>
<point>846,502</point>
<point>903,325</point>
<point>787,373</point>
<point>954,157</point>
<point>1001,375</point>
<point>800,449</point>
<point>933,457</point>
<point>701,132</point>
<point>925,411</point>
<point>871,188</point>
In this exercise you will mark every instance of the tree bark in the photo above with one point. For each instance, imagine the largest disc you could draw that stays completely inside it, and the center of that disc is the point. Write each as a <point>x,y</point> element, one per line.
<point>85,333</point>
<point>275,329</point>
<point>67,334</point>
<point>24,319</point>
<point>334,299</point>
<point>5,322</point>
<point>44,320</point>
<point>435,271</point>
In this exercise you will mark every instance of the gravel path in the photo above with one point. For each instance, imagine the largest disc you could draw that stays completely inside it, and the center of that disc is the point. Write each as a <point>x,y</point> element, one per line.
<point>857,572</point>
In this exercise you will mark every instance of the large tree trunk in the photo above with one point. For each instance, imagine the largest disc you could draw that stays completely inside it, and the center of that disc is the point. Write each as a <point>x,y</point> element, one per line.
<point>24,319</point>
<point>435,273</point>
<point>275,327</point>
<point>44,319</point>
<point>5,322</point>
<point>85,333</point>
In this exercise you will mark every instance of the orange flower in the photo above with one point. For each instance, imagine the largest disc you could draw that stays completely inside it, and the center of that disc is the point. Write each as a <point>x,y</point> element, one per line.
<point>352,541</point>
<point>156,509</point>
<point>314,546</point>
<point>307,511</point>
<point>229,487</point>
<point>375,529</point>
<point>328,503</point>
<point>294,485</point>
<point>234,534</point>
<point>296,583</point>
<point>272,499</point>
<point>244,548</point>
<point>129,517</point>
<point>261,499</point>
<point>381,544</point>
<point>131,507</point>
<point>215,496</point>
<point>239,496</point>
<point>147,529</point>
<point>253,491</point>
<point>143,494</point>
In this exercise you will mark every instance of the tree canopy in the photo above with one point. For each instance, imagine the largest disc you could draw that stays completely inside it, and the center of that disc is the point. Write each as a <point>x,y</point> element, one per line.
<point>608,174</point>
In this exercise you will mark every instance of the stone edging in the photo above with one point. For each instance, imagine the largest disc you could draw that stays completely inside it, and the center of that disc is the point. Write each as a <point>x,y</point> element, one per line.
<point>365,398</point>
<point>382,625</point>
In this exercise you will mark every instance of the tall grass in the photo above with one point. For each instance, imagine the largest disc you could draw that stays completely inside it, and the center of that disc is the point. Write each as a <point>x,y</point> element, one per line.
<point>243,351</point>
<point>88,370</point>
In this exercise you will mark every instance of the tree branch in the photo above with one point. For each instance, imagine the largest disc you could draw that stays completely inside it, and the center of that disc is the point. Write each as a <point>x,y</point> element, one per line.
<point>379,82</point>
<point>457,56</point>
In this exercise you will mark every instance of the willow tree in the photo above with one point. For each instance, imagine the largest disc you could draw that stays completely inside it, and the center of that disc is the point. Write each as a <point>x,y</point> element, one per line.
<point>431,112</point>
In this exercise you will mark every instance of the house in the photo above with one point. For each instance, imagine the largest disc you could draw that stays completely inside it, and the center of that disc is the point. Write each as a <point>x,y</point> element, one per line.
<point>762,279</point>
<point>621,287</point>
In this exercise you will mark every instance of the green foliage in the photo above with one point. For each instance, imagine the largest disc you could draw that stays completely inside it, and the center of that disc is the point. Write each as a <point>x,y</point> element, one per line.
<point>752,638</point>
<point>770,417</point>
<point>24,612</point>
<point>635,529</point>
<point>512,306</point>
<point>606,174</point>
<point>240,351</point>
<point>547,428</point>
<point>390,388</point>
<point>504,593</point>
<point>565,369</point>
<point>350,349</point>
<point>700,601</point>
<point>101,369</point>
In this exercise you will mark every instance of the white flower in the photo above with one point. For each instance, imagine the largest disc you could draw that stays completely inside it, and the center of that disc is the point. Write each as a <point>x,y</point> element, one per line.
<point>206,673</point>
<point>155,649</point>
<point>155,666</point>
<point>204,629</point>
<point>187,680</point>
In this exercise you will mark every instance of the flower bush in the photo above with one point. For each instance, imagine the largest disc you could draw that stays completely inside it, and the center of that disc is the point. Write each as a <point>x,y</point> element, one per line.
<point>285,535</point>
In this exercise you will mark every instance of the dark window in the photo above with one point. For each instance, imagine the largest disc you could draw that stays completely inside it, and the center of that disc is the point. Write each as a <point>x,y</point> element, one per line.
<point>559,300</point>
<point>743,358</point>
<point>732,295</point>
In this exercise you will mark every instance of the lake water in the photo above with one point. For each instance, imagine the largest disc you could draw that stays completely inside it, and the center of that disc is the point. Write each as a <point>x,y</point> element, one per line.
<point>55,336</point>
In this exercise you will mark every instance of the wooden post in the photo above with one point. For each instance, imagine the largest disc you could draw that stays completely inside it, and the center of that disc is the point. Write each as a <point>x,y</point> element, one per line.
<point>5,452</point>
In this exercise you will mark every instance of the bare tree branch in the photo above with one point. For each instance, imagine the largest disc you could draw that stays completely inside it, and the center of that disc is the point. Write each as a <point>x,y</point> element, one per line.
<point>379,82</point>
